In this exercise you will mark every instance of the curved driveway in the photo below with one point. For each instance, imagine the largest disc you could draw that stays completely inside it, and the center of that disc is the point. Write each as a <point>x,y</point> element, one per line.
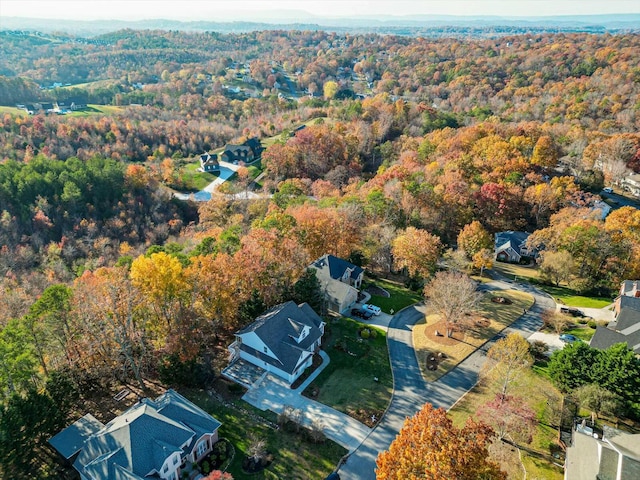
<point>411,391</point>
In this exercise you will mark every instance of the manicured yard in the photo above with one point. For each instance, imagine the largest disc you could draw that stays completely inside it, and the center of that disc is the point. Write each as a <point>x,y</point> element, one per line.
<point>583,332</point>
<point>97,110</point>
<point>517,272</point>
<point>348,383</point>
<point>193,180</point>
<point>493,318</point>
<point>400,298</point>
<point>294,455</point>
<point>568,297</point>
<point>546,401</point>
<point>12,111</point>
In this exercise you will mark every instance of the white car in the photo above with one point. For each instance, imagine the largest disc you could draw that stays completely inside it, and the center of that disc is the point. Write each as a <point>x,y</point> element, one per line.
<point>607,190</point>
<point>371,308</point>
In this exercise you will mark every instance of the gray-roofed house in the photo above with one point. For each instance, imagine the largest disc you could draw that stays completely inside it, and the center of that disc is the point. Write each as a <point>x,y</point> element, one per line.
<point>512,246</point>
<point>626,326</point>
<point>340,281</point>
<point>237,153</point>
<point>281,341</point>
<point>152,439</point>
<point>209,162</point>
<point>615,456</point>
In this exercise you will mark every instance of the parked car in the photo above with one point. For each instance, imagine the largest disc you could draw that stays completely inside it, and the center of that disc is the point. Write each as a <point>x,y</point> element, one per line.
<point>371,308</point>
<point>607,190</point>
<point>574,312</point>
<point>361,313</point>
<point>568,338</point>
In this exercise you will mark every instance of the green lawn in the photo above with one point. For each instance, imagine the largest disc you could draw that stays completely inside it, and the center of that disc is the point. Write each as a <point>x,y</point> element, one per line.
<point>545,400</point>
<point>12,111</point>
<point>400,298</point>
<point>294,455</point>
<point>348,382</point>
<point>97,110</point>
<point>569,297</point>
<point>584,333</point>
<point>193,180</point>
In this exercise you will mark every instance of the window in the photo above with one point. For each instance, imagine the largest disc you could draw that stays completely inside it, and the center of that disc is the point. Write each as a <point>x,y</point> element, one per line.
<point>165,469</point>
<point>175,460</point>
<point>202,447</point>
<point>265,350</point>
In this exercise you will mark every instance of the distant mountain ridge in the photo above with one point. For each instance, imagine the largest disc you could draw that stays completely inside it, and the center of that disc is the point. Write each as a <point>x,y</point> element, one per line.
<point>292,20</point>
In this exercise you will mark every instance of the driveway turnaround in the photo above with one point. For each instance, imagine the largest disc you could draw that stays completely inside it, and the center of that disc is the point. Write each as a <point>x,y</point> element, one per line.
<point>411,391</point>
<point>273,394</point>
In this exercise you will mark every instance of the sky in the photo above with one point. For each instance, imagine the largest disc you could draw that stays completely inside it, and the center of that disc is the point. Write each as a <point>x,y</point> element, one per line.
<point>269,10</point>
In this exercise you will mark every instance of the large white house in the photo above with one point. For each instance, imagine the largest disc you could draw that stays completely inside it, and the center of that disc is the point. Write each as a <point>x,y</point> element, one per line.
<point>281,341</point>
<point>153,439</point>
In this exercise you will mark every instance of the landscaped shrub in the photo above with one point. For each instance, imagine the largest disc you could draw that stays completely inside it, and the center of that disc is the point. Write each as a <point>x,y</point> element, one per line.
<point>592,324</point>
<point>538,349</point>
<point>365,333</point>
<point>206,467</point>
<point>236,388</point>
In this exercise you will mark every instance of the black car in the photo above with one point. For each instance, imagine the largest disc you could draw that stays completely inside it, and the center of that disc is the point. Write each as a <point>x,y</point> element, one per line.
<point>358,312</point>
<point>574,312</point>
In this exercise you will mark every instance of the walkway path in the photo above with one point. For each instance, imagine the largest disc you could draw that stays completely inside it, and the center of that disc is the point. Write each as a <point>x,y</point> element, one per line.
<point>273,394</point>
<point>411,391</point>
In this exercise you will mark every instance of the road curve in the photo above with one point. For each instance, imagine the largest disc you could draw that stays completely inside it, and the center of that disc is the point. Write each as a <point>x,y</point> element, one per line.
<point>410,389</point>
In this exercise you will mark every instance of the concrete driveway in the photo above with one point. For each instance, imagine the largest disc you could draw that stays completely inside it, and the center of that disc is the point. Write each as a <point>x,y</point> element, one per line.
<point>551,339</point>
<point>273,394</point>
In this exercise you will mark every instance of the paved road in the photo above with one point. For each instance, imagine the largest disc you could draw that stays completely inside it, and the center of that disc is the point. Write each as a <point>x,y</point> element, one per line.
<point>410,390</point>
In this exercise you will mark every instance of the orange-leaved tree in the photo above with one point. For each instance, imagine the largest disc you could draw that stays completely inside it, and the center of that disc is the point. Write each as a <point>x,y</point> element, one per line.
<point>430,447</point>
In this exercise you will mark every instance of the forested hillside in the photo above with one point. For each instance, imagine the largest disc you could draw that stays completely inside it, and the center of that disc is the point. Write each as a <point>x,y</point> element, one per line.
<point>417,147</point>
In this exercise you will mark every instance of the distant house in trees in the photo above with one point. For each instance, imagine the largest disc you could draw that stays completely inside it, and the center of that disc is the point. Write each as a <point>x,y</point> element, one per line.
<point>340,281</point>
<point>249,151</point>
<point>512,246</point>
<point>237,153</point>
<point>616,455</point>
<point>626,326</point>
<point>152,439</point>
<point>209,162</point>
<point>281,341</point>
<point>631,183</point>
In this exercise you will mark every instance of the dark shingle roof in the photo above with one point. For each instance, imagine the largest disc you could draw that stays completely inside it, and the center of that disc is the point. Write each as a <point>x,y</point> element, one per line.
<point>604,338</point>
<point>69,441</point>
<point>629,302</point>
<point>137,442</point>
<point>514,239</point>
<point>337,266</point>
<point>278,328</point>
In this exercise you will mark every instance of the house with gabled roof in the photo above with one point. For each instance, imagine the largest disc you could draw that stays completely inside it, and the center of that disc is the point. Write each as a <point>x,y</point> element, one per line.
<point>209,162</point>
<point>281,341</point>
<point>152,439</point>
<point>340,281</point>
<point>511,246</point>
<point>613,455</point>
<point>626,326</point>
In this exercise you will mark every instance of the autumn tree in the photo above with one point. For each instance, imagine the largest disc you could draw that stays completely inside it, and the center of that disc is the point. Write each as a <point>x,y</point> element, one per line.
<point>545,153</point>
<point>483,259</point>
<point>556,266</point>
<point>430,446</point>
<point>473,238</point>
<point>218,475</point>
<point>599,400</point>
<point>510,417</point>
<point>508,357</point>
<point>453,296</point>
<point>161,279</point>
<point>416,250</point>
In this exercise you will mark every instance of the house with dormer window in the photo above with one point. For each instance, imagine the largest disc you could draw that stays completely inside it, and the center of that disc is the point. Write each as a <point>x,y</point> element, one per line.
<point>152,439</point>
<point>340,281</point>
<point>281,341</point>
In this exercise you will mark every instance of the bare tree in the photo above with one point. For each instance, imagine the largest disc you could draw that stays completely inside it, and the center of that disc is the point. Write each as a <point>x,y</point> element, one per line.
<point>453,296</point>
<point>556,320</point>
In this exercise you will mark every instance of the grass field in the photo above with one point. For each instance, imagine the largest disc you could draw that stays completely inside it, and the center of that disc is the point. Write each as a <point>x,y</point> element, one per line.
<point>193,180</point>
<point>348,382</point>
<point>461,346</point>
<point>545,400</point>
<point>294,455</point>
<point>12,111</point>
<point>400,298</point>
<point>583,332</point>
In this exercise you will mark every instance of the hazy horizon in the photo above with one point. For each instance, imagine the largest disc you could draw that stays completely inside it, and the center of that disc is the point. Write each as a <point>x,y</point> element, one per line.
<point>269,11</point>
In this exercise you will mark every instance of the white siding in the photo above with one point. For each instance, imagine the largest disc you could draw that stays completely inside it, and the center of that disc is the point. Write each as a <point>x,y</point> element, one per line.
<point>252,340</point>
